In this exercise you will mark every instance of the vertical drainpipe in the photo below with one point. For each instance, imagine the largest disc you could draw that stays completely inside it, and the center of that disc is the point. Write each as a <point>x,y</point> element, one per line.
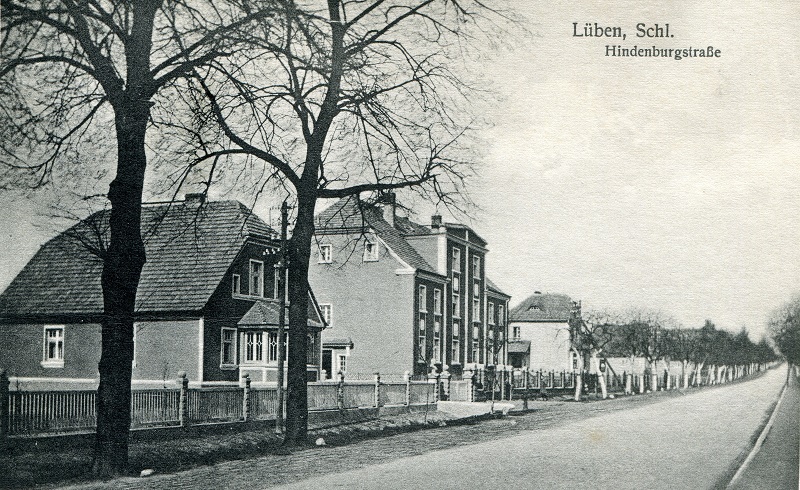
<point>467,297</point>
<point>201,348</point>
<point>441,267</point>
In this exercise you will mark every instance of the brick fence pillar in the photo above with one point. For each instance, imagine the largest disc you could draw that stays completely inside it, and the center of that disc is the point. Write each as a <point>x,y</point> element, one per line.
<point>445,394</point>
<point>433,378</point>
<point>470,385</point>
<point>246,398</point>
<point>183,405</point>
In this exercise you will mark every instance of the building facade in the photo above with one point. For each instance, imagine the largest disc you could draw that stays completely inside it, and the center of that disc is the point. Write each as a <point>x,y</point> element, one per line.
<point>402,296</point>
<point>205,303</point>
<point>540,336</point>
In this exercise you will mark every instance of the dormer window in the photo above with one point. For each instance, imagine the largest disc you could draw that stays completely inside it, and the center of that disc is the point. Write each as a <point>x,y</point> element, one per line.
<point>370,251</point>
<point>256,278</point>
<point>534,307</point>
<point>325,253</point>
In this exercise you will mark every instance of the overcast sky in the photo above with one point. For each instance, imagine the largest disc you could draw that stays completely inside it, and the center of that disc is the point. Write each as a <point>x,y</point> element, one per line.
<point>650,182</point>
<point>625,182</point>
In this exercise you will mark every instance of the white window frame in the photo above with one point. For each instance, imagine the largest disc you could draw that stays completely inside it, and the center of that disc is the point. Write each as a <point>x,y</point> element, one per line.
<point>370,251</point>
<point>455,351</point>
<point>456,264</point>
<point>476,310</point>
<point>501,315</point>
<point>423,298</point>
<point>258,350</point>
<point>422,330</point>
<point>325,253</point>
<point>56,361</point>
<point>236,284</point>
<point>437,301</point>
<point>490,314</point>
<point>260,285</point>
<point>272,346</point>
<point>233,348</point>
<point>327,313</point>
<point>476,266</point>
<point>516,332</point>
<point>456,305</point>
<point>341,363</point>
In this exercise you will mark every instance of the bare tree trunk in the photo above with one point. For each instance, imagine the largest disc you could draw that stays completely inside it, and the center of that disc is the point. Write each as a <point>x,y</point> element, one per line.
<point>600,378</point>
<point>685,366</point>
<point>120,278</point>
<point>579,380</point>
<point>653,375</point>
<point>299,257</point>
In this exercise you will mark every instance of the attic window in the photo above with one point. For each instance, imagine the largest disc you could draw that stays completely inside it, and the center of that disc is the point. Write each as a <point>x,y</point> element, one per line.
<point>256,278</point>
<point>237,284</point>
<point>370,251</point>
<point>325,253</point>
<point>534,307</point>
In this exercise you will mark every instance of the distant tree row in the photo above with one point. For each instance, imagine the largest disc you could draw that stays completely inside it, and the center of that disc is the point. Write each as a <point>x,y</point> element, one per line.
<point>784,328</point>
<point>658,338</point>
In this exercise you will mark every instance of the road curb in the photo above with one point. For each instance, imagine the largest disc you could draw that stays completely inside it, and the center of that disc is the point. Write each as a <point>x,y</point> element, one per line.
<point>760,440</point>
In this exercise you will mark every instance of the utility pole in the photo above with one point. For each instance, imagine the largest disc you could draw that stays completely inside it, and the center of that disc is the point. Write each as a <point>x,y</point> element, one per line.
<point>282,267</point>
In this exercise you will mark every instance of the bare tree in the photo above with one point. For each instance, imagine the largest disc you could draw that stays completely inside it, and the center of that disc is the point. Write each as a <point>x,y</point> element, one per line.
<point>69,66</point>
<point>344,98</point>
<point>589,336</point>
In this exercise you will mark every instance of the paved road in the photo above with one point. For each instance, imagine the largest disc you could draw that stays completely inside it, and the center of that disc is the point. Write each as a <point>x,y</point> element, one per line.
<point>686,442</point>
<point>664,440</point>
<point>775,466</point>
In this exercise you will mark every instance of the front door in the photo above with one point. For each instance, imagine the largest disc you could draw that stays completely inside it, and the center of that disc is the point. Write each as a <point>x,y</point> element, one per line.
<point>327,362</point>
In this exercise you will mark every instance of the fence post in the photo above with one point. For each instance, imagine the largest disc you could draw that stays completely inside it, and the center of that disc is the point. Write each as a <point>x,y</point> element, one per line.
<point>246,400</point>
<point>183,406</point>
<point>445,395</point>
<point>340,391</point>
<point>407,379</point>
<point>4,406</point>
<point>525,389</point>
<point>470,385</point>
<point>433,377</point>
<point>377,390</point>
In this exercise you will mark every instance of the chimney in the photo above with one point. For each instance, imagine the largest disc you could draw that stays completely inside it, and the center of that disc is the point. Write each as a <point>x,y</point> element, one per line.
<point>194,198</point>
<point>390,209</point>
<point>436,221</point>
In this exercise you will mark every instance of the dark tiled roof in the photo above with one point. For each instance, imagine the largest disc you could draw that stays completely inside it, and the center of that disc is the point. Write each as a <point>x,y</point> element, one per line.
<point>542,308</point>
<point>338,342</point>
<point>189,248</point>
<point>493,287</point>
<point>519,346</point>
<point>349,215</point>
<point>265,312</point>
<point>408,227</point>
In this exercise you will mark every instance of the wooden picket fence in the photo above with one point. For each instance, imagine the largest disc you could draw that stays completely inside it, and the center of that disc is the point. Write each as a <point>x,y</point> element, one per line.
<point>29,413</point>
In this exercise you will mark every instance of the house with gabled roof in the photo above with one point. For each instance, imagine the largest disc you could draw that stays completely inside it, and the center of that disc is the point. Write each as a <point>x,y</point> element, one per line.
<point>400,296</point>
<point>205,303</point>
<point>540,337</point>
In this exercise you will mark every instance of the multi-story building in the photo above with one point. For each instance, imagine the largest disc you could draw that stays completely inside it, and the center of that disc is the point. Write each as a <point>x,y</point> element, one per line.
<point>401,296</point>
